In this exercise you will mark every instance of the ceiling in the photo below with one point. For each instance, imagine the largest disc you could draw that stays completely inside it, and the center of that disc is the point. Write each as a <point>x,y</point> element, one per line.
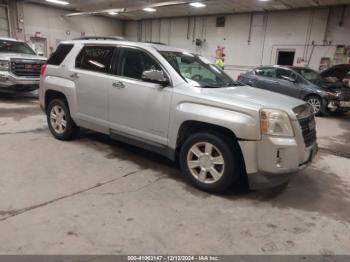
<point>133,8</point>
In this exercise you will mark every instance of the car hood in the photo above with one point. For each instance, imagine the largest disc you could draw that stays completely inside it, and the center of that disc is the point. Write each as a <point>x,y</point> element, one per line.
<point>324,84</point>
<point>251,98</point>
<point>8,56</point>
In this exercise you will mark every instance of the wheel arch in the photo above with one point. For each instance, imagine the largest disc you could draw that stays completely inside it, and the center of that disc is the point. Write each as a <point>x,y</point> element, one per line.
<point>306,96</point>
<point>53,94</point>
<point>192,126</point>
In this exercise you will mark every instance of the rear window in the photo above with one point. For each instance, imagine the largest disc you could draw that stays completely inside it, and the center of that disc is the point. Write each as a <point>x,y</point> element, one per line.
<point>95,58</point>
<point>60,54</point>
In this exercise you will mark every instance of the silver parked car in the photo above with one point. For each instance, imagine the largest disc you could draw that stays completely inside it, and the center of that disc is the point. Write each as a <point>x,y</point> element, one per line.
<point>180,105</point>
<point>19,66</point>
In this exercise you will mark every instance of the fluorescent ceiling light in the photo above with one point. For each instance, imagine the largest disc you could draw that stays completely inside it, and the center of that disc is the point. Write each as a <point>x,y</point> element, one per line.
<point>149,9</point>
<point>59,2</point>
<point>264,0</point>
<point>113,13</point>
<point>198,4</point>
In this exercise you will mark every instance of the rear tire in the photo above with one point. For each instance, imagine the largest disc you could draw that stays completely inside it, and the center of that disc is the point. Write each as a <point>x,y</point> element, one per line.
<point>59,120</point>
<point>210,162</point>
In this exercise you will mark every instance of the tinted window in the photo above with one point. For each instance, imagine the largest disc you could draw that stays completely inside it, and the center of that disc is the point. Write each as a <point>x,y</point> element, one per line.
<point>60,54</point>
<point>95,58</point>
<point>134,62</point>
<point>266,72</point>
<point>285,74</point>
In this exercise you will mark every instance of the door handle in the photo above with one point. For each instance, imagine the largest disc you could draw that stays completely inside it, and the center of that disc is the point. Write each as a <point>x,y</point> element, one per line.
<point>118,84</point>
<point>74,75</point>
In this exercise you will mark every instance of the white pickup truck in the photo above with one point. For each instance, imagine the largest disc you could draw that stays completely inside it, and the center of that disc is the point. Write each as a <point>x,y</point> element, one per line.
<point>19,66</point>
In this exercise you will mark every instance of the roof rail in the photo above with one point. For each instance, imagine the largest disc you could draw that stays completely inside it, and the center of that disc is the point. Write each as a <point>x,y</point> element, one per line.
<point>155,43</point>
<point>120,38</point>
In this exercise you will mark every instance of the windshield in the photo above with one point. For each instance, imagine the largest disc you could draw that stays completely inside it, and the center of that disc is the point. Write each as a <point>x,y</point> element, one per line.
<point>198,71</point>
<point>15,47</point>
<point>309,74</point>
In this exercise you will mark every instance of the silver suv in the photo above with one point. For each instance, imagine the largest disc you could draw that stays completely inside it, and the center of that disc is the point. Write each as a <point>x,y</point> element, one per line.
<point>180,105</point>
<point>19,66</point>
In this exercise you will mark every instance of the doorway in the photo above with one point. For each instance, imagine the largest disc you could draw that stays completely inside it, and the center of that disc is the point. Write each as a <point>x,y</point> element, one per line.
<point>285,57</point>
<point>40,45</point>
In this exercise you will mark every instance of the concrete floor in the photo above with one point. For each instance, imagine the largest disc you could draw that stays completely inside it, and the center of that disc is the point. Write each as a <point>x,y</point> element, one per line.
<point>96,196</point>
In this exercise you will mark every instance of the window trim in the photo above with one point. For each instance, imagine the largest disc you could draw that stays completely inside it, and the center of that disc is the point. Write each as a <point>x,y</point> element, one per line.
<point>115,61</point>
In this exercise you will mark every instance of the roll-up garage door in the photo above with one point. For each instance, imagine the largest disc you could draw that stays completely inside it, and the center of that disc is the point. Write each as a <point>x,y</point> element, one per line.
<point>4,22</point>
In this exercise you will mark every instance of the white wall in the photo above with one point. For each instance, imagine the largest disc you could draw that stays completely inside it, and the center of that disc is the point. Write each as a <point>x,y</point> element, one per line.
<point>51,23</point>
<point>270,32</point>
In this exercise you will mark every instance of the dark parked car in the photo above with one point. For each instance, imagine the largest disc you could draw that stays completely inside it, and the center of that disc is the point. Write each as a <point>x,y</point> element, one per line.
<point>341,72</point>
<point>323,94</point>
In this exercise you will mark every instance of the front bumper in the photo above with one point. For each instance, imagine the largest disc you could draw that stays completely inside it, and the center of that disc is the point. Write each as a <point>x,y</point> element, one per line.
<point>277,177</point>
<point>271,161</point>
<point>11,82</point>
<point>336,105</point>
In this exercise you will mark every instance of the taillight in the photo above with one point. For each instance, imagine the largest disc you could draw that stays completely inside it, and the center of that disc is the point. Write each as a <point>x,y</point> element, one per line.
<point>239,77</point>
<point>43,69</point>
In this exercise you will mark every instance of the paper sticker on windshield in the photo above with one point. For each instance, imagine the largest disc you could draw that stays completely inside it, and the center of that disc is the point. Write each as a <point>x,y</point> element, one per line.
<point>204,60</point>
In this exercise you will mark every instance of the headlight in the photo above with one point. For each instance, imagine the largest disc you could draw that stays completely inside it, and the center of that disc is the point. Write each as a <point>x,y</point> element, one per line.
<point>334,94</point>
<point>275,123</point>
<point>4,65</point>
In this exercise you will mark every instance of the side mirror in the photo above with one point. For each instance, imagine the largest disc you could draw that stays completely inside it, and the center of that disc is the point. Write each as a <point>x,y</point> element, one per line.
<point>155,76</point>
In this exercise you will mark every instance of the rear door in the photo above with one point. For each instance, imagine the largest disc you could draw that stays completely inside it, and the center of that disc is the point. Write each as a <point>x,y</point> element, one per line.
<point>265,78</point>
<point>92,79</point>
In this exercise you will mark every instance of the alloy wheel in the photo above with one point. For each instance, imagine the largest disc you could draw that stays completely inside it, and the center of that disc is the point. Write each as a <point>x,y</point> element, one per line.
<point>315,103</point>
<point>205,162</point>
<point>58,119</point>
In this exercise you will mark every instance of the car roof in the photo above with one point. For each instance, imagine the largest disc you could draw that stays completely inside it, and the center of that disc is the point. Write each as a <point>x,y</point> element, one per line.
<point>284,67</point>
<point>274,66</point>
<point>158,46</point>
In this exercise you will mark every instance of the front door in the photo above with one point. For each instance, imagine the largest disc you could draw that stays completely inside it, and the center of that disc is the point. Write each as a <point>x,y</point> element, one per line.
<point>137,108</point>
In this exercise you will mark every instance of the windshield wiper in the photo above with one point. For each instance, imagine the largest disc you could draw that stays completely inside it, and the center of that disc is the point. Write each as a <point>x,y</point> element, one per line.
<point>235,84</point>
<point>209,86</point>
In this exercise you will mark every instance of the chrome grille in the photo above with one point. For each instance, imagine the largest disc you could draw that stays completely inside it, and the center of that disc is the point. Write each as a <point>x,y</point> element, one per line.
<point>308,128</point>
<point>26,68</point>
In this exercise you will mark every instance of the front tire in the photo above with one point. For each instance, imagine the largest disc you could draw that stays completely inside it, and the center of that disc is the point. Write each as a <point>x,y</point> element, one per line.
<point>317,104</point>
<point>59,120</point>
<point>210,162</point>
